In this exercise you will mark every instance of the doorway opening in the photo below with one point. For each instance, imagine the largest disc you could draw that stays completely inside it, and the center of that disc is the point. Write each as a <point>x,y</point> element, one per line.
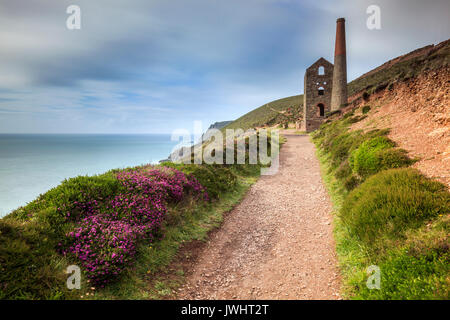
<point>321,109</point>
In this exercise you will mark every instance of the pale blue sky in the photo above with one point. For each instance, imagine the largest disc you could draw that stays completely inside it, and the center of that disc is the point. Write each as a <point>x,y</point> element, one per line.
<point>152,66</point>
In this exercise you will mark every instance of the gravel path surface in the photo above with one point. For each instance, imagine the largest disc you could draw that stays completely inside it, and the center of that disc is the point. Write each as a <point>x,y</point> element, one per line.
<point>277,243</point>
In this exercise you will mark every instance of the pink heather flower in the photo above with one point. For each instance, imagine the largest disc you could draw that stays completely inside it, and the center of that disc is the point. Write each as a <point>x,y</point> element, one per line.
<point>121,223</point>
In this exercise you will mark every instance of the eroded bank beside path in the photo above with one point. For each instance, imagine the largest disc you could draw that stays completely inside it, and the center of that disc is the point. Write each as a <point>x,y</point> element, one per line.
<point>277,243</point>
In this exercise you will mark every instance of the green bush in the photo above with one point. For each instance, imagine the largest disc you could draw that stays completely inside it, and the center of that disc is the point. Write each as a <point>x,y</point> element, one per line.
<point>31,266</point>
<point>366,96</point>
<point>390,202</point>
<point>215,178</point>
<point>365,109</point>
<point>81,189</point>
<point>393,158</point>
<point>381,87</point>
<point>365,160</point>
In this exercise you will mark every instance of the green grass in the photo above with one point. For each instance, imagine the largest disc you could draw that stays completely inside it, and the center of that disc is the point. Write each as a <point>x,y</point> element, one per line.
<point>396,219</point>
<point>29,267</point>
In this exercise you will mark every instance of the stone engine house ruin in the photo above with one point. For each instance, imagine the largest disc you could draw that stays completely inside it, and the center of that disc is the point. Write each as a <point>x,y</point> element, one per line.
<point>325,84</point>
<point>317,93</point>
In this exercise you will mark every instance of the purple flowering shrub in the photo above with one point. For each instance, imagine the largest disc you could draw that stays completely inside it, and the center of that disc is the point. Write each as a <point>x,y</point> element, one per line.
<point>107,233</point>
<point>170,182</point>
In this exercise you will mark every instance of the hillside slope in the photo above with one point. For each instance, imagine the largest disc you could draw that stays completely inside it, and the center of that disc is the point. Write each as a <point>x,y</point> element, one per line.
<point>404,67</point>
<point>269,114</point>
<point>417,114</point>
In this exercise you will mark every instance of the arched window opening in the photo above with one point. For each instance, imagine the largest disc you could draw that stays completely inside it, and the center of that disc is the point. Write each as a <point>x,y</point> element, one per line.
<point>321,91</point>
<point>321,71</point>
<point>321,109</point>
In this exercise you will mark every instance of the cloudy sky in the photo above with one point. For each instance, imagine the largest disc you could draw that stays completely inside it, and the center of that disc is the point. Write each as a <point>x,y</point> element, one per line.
<point>152,66</point>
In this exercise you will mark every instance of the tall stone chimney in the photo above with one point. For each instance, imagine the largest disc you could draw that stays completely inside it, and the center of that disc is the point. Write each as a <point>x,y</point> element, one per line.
<point>339,91</point>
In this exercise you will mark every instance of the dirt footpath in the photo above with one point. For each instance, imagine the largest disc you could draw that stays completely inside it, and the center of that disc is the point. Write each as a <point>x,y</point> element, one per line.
<point>277,243</point>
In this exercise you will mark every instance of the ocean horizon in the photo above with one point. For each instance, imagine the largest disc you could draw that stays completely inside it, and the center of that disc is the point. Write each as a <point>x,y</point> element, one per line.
<point>31,164</point>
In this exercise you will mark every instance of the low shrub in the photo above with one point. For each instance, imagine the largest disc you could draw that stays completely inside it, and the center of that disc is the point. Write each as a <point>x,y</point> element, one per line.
<point>365,160</point>
<point>393,158</point>
<point>349,114</point>
<point>104,223</point>
<point>390,202</point>
<point>365,109</point>
<point>107,234</point>
<point>71,193</point>
<point>366,96</point>
<point>381,87</point>
<point>214,178</point>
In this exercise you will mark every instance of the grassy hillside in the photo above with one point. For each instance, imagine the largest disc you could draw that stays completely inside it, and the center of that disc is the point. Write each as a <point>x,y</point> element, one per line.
<point>402,68</point>
<point>269,114</point>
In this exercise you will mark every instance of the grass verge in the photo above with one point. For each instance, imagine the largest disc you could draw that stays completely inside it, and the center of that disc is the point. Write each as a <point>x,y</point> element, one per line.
<point>391,216</point>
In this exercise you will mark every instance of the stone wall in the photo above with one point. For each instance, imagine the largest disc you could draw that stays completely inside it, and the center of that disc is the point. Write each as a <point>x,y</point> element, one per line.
<point>313,99</point>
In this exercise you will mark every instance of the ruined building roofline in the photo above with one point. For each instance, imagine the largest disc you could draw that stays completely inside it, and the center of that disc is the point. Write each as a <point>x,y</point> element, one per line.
<point>320,61</point>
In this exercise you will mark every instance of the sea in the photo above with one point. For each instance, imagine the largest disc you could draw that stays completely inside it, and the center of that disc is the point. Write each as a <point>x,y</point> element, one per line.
<point>31,164</point>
